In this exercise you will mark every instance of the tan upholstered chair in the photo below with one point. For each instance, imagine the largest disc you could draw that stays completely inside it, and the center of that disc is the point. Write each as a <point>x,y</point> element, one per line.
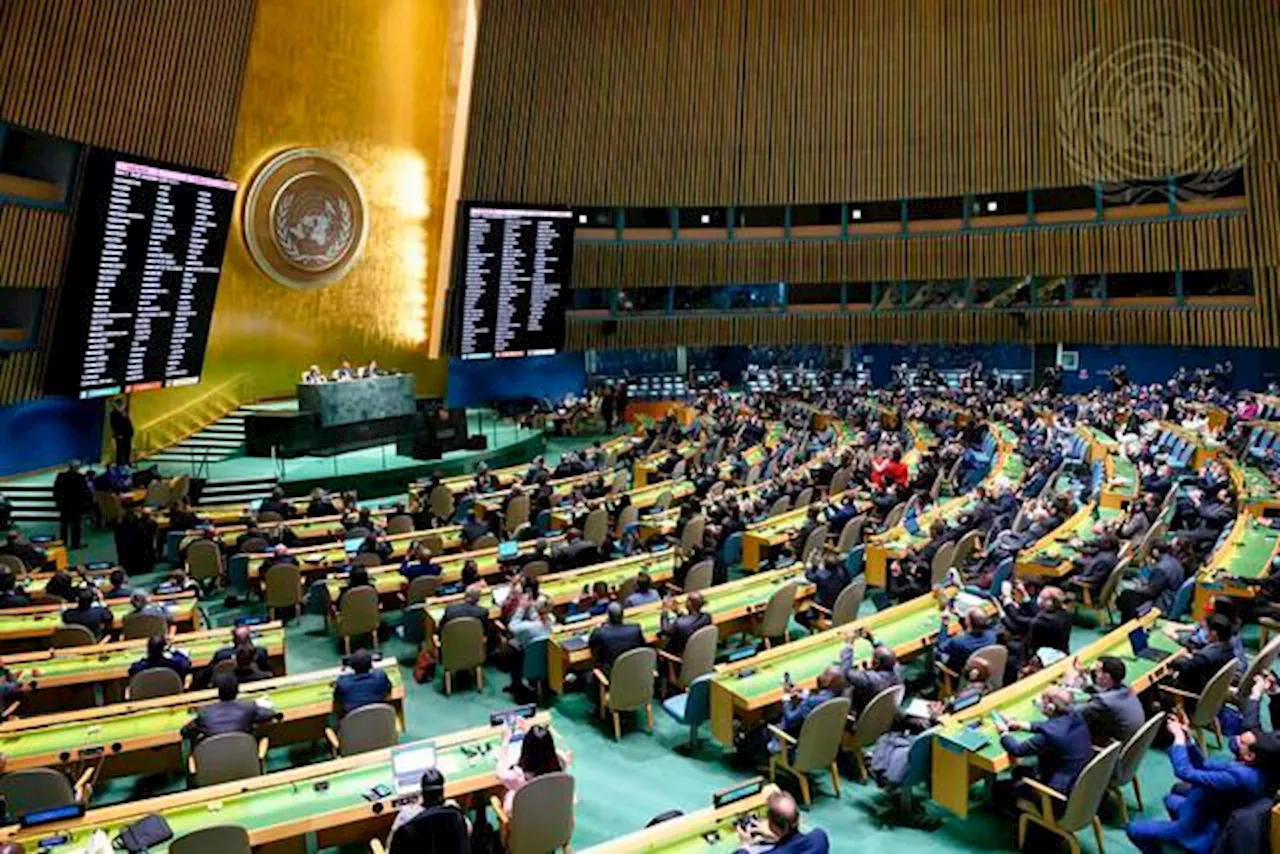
<point>782,505</point>
<point>282,588</point>
<point>697,658</point>
<point>137,626</point>
<point>368,728</point>
<point>845,609</point>
<point>204,562</point>
<point>816,748</point>
<point>517,513</point>
<point>226,757</point>
<point>1130,760</point>
<point>875,721</point>
<point>996,657</point>
<point>218,839</point>
<point>358,615</point>
<point>1208,703</point>
<point>941,564</point>
<point>462,647</point>
<point>693,533</point>
<point>850,534</point>
<point>1079,807</point>
<point>777,615</point>
<point>153,682</point>
<point>596,528</point>
<point>71,635</point>
<point>422,588</point>
<point>541,819</point>
<point>401,523</point>
<point>629,686</point>
<point>628,515</point>
<point>440,502</point>
<point>700,575</point>
<point>36,789</point>
<point>814,542</point>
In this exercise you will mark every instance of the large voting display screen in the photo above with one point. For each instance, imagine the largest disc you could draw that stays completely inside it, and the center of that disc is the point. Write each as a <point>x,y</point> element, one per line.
<point>137,300</point>
<point>512,286</point>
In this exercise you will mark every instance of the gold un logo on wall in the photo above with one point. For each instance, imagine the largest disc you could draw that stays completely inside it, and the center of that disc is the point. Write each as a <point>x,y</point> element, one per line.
<point>304,218</point>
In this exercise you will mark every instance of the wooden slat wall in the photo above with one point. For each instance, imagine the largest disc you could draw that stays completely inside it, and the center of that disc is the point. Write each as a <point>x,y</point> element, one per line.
<point>153,78</point>
<point>762,102</point>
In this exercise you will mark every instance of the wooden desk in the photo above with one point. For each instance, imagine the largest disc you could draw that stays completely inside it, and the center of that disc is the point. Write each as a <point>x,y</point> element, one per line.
<point>955,769</point>
<point>145,737</point>
<point>321,558</point>
<point>1122,484</point>
<point>31,627</point>
<point>708,831</point>
<point>60,679</point>
<point>1051,556</point>
<point>1256,492</point>
<point>1245,553</point>
<point>761,538</point>
<point>748,689</point>
<point>732,607</point>
<point>645,496</point>
<point>284,810</point>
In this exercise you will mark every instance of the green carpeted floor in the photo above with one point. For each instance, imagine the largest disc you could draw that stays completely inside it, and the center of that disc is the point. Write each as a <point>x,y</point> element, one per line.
<point>623,784</point>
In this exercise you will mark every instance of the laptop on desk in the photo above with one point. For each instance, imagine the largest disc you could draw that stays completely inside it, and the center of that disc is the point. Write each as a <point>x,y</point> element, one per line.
<point>1142,647</point>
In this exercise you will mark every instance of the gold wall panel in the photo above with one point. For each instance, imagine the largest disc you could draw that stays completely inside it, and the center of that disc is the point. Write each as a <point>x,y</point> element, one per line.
<point>368,80</point>
<point>154,78</point>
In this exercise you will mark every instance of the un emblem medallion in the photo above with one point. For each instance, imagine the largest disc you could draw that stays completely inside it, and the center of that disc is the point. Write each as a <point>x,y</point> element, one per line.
<point>304,218</point>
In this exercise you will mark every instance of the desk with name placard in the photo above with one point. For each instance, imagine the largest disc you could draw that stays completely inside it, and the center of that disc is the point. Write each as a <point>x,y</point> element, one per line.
<point>146,736</point>
<point>955,768</point>
<point>316,806</point>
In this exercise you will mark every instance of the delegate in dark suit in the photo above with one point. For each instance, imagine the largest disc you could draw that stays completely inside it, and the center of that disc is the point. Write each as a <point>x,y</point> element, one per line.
<point>614,638</point>
<point>1060,745</point>
<point>228,714</point>
<point>678,630</point>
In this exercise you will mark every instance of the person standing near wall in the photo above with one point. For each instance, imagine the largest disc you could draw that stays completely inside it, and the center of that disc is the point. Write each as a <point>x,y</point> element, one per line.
<point>122,431</point>
<point>73,498</point>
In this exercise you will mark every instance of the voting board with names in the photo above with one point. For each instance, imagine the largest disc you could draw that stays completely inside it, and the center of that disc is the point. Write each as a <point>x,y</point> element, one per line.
<point>152,300</point>
<point>516,282</point>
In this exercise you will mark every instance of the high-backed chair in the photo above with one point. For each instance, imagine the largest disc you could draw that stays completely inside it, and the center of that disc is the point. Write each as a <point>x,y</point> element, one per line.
<point>965,548</point>
<point>71,634</point>
<point>1078,808</point>
<point>845,609</point>
<point>368,728</point>
<point>815,749</point>
<point>218,839</point>
<point>226,757</point>
<point>137,626</point>
<point>153,682</point>
<point>875,721</point>
<point>627,587</point>
<point>401,523</point>
<point>534,666</point>
<point>367,559</point>
<point>629,686</point>
<point>1208,703</point>
<point>814,541</point>
<point>777,615</point>
<point>517,513</point>
<point>282,588</point>
<point>996,657</point>
<point>486,541</point>
<point>696,659</point>
<point>422,588</point>
<point>535,568</point>
<point>850,534</point>
<point>358,615</point>
<point>12,564</point>
<point>462,647</point>
<point>941,564</point>
<point>780,506</point>
<point>699,576</point>
<point>1260,664</point>
<point>204,562</point>
<point>36,789</point>
<point>253,546</point>
<point>627,516</point>
<point>1106,598</point>
<point>440,502</point>
<point>895,515</point>
<point>804,498</point>
<point>541,819</point>
<point>596,527</point>
<point>692,533</point>
<point>1130,759</point>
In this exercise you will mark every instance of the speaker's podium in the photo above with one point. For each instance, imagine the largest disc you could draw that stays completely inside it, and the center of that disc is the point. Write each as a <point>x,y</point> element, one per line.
<point>337,417</point>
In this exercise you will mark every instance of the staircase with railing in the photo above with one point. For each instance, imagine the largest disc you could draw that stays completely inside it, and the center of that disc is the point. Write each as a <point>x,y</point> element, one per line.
<point>201,430</point>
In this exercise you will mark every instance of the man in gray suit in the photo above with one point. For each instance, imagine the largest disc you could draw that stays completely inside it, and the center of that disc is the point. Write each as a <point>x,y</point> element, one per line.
<point>1114,712</point>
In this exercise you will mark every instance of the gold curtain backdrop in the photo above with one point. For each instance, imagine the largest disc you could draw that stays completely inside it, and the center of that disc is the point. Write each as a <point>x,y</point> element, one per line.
<point>369,81</point>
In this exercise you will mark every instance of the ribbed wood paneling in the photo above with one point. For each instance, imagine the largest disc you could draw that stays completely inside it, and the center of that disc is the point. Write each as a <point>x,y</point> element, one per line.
<point>1204,327</point>
<point>767,102</point>
<point>33,243</point>
<point>154,78</point>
